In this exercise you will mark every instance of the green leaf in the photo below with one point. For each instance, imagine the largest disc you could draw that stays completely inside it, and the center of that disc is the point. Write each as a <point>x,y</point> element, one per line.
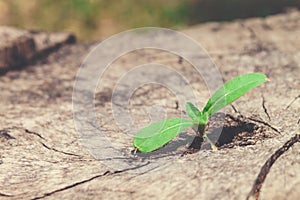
<point>232,90</point>
<point>193,112</point>
<point>159,133</point>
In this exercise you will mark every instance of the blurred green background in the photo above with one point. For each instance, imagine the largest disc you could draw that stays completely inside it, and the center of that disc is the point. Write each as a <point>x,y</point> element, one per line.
<point>94,19</point>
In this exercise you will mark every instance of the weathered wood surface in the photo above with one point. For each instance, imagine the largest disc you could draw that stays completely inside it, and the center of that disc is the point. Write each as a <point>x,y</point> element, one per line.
<point>20,47</point>
<point>42,157</point>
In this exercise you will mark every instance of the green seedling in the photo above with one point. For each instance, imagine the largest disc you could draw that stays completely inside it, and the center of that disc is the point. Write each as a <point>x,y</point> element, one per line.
<point>159,133</point>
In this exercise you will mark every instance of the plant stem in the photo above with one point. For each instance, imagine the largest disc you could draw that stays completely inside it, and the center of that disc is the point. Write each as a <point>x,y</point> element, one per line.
<point>201,137</point>
<point>201,130</point>
<point>202,134</point>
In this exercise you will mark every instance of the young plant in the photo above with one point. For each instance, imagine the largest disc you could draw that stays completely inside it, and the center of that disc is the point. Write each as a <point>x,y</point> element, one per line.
<point>159,133</point>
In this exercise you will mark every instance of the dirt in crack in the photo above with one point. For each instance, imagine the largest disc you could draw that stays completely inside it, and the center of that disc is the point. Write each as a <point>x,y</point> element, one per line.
<point>227,131</point>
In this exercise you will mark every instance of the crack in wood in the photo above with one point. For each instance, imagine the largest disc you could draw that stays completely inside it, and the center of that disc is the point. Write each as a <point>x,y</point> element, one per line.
<point>107,173</point>
<point>255,191</point>
<point>256,120</point>
<point>265,108</point>
<point>34,133</point>
<point>5,195</point>
<point>59,151</point>
<point>264,123</point>
<point>289,105</point>
<point>234,109</point>
<point>4,133</point>
<point>72,185</point>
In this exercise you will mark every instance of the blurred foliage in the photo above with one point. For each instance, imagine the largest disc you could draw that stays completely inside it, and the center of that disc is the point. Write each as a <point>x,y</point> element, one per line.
<point>216,10</point>
<point>93,19</point>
